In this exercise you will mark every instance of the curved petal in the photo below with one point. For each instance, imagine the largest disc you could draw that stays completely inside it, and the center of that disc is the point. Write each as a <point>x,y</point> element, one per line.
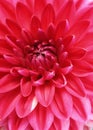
<point>43,94</point>
<point>23,15</point>
<point>48,16</point>
<point>82,68</point>
<point>35,25</point>
<point>75,86</point>
<point>41,118</point>
<point>39,6</point>
<point>61,29</point>
<point>76,125</point>
<point>8,83</point>
<point>61,124</point>
<point>79,29</point>
<point>77,53</point>
<point>88,83</point>
<point>81,109</point>
<point>26,87</point>
<point>60,104</point>
<point>8,103</point>
<point>60,81</point>
<point>14,27</point>
<point>26,105</point>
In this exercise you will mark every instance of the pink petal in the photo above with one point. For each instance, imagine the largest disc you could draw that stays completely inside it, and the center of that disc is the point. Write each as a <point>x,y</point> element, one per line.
<point>82,68</point>
<point>12,59</point>
<point>51,31</point>
<point>61,29</point>
<point>88,83</point>
<point>77,53</point>
<point>67,12</point>
<point>8,103</point>
<point>76,125</point>
<point>23,14</point>
<point>79,29</point>
<point>41,118</point>
<point>39,5</point>
<point>3,30</point>
<point>69,41</point>
<point>23,124</point>
<point>5,66</point>
<point>82,109</point>
<point>26,105</point>
<point>86,41</point>
<point>26,87</point>
<point>35,25</point>
<point>75,86</point>
<point>6,10</point>
<point>60,104</point>
<point>43,94</point>
<point>8,82</point>
<point>48,16</point>
<point>61,124</point>
<point>60,81</point>
<point>14,27</point>
<point>58,4</point>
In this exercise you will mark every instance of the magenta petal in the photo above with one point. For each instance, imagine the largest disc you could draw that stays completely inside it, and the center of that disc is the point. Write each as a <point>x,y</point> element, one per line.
<point>14,27</point>
<point>35,25</point>
<point>26,87</point>
<point>23,124</point>
<point>60,104</point>
<point>23,14</point>
<point>79,28</point>
<point>8,82</point>
<point>82,68</point>
<point>61,29</point>
<point>39,7</point>
<point>75,87</point>
<point>60,81</point>
<point>26,105</point>
<point>41,118</point>
<point>43,94</point>
<point>48,16</point>
<point>8,103</point>
<point>82,109</point>
<point>61,124</point>
<point>77,53</point>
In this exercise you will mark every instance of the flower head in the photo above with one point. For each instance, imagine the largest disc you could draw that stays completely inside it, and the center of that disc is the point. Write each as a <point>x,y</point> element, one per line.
<point>46,64</point>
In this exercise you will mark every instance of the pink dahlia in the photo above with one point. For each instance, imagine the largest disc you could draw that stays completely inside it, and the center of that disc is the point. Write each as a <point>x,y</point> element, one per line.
<point>46,64</point>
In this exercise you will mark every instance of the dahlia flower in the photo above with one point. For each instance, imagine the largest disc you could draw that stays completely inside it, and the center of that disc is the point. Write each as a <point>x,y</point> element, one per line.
<point>46,64</point>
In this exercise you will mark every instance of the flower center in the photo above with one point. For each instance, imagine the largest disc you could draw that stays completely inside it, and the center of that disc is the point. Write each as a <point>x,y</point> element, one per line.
<point>41,54</point>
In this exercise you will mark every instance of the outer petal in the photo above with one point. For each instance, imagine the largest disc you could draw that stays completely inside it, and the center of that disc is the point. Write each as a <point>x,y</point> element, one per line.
<point>82,109</point>
<point>79,29</point>
<point>75,86</point>
<point>43,94</point>
<point>66,12</point>
<point>35,25</point>
<point>48,16</point>
<point>23,15</point>
<point>8,82</point>
<point>14,27</point>
<point>26,87</point>
<point>61,124</point>
<point>61,29</point>
<point>8,103</point>
<point>41,118</point>
<point>26,105</point>
<point>39,5</point>
<point>60,104</point>
<point>88,83</point>
<point>75,125</point>
<point>82,68</point>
